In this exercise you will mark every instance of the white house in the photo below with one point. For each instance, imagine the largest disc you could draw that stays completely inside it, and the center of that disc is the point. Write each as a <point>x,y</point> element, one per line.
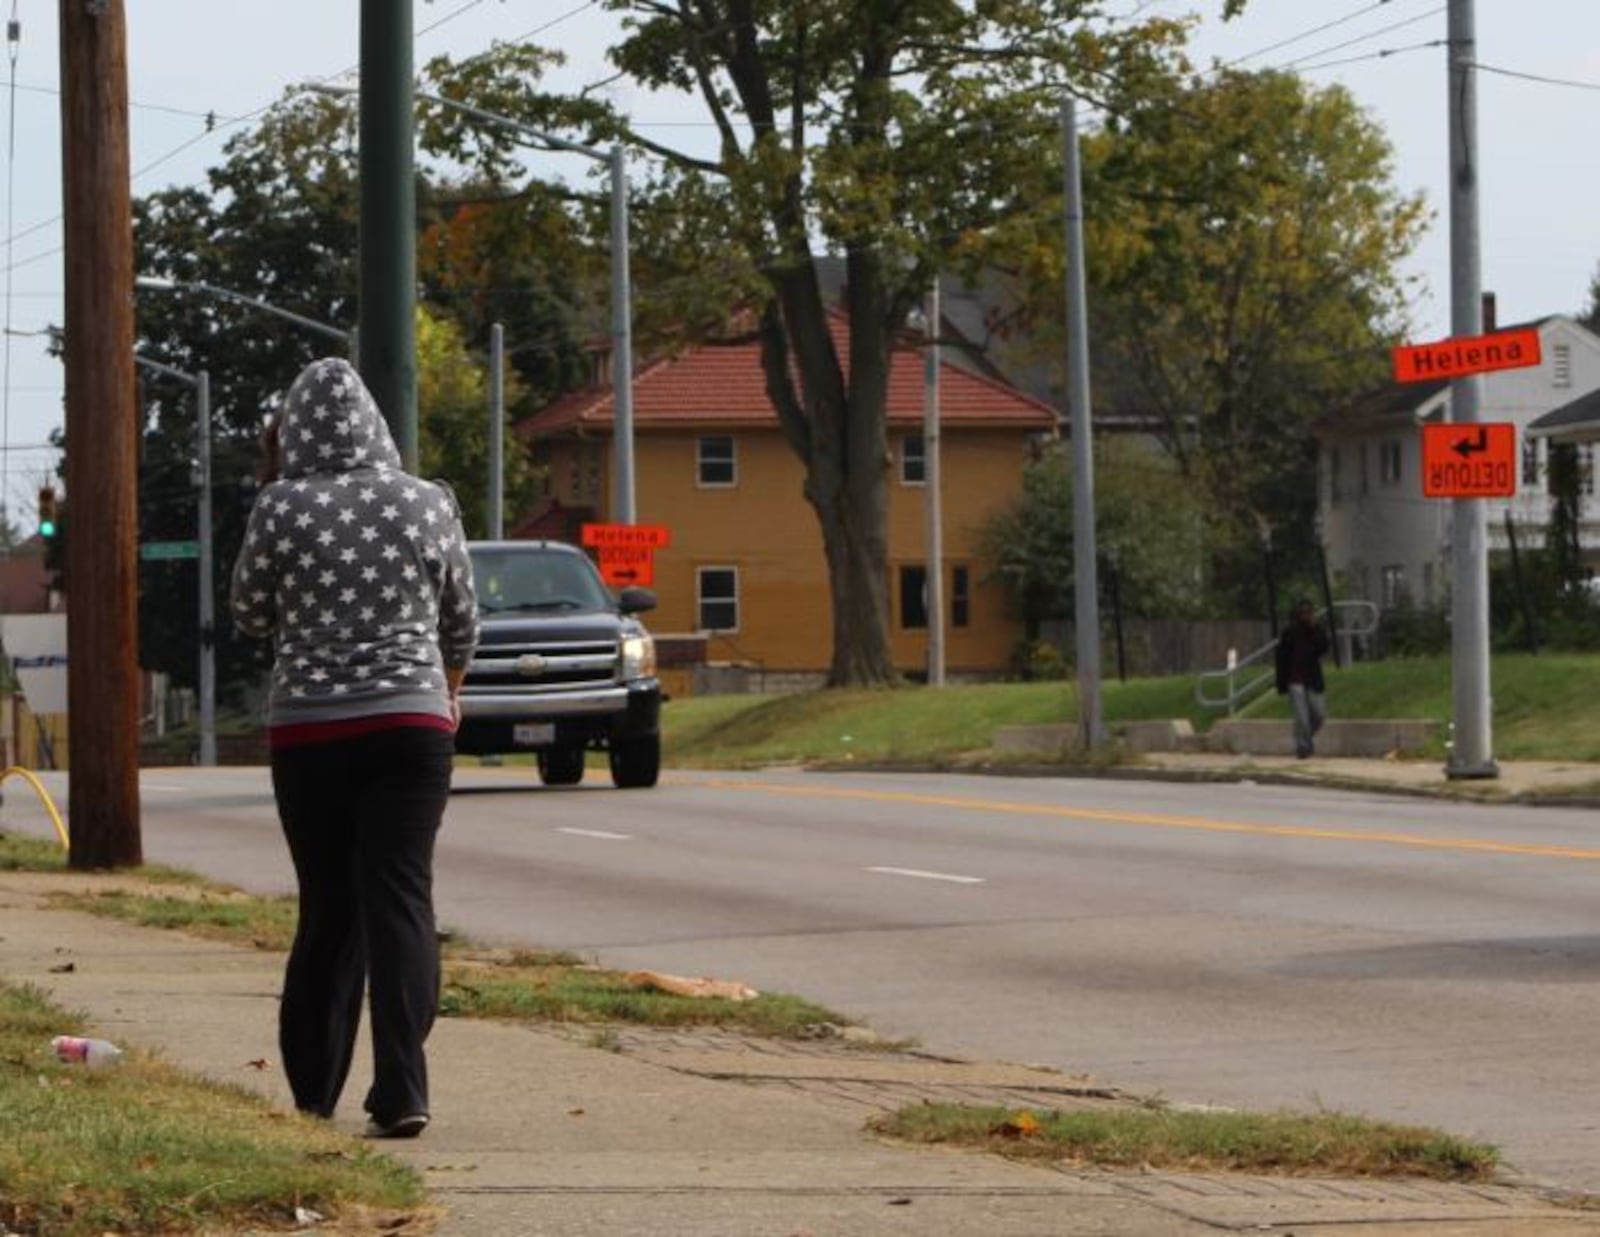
<point>1383,539</point>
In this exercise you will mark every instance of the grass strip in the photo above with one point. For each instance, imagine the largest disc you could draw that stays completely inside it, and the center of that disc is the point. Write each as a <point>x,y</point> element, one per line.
<point>517,985</point>
<point>1285,1143</point>
<point>141,1147</point>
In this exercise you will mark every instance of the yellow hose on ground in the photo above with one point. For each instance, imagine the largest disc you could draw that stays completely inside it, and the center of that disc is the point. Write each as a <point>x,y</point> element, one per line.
<point>27,775</point>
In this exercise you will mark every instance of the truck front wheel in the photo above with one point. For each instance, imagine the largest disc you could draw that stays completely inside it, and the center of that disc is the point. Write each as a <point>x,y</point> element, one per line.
<point>560,766</point>
<point>636,763</point>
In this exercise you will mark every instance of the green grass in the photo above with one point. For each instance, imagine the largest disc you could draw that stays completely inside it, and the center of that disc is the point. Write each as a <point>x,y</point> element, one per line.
<point>1331,1144</point>
<point>140,1147</point>
<point>1545,708</point>
<point>529,985</point>
<point>545,990</point>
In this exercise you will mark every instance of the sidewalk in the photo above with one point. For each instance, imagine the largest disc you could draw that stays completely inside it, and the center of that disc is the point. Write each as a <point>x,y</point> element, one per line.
<point>1572,783</point>
<point>542,1131</point>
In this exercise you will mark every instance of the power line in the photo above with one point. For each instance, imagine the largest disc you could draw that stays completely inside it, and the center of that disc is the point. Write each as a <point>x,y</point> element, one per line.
<point>190,113</point>
<point>1535,77</point>
<point>1365,38</point>
<point>1306,34</point>
<point>1378,55</point>
<point>448,18</point>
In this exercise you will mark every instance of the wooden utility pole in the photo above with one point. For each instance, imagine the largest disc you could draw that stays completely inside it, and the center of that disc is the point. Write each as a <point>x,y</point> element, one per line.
<point>102,439</point>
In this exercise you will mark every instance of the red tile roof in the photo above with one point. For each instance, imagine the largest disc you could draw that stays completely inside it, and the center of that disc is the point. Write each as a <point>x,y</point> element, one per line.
<point>725,384</point>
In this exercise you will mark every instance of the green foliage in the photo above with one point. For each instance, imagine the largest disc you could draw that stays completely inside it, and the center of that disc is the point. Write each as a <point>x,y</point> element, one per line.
<point>453,401</point>
<point>1563,536</point>
<point>1328,1143</point>
<point>1244,240</point>
<point>142,1148</point>
<point>1147,524</point>
<point>836,123</point>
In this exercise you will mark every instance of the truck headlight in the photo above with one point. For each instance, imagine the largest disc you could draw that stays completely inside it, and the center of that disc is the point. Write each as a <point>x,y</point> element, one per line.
<point>638,657</point>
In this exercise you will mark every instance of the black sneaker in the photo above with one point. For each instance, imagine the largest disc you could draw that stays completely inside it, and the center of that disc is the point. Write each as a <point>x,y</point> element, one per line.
<point>401,1127</point>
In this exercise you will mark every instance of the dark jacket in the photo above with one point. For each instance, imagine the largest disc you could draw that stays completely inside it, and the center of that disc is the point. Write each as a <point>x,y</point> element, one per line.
<point>357,570</point>
<point>1305,644</point>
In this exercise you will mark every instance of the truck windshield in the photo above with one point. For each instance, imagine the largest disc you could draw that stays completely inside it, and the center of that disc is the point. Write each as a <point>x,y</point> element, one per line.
<point>536,579</point>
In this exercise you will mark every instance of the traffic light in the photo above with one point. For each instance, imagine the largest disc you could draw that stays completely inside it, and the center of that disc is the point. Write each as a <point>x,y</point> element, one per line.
<point>47,512</point>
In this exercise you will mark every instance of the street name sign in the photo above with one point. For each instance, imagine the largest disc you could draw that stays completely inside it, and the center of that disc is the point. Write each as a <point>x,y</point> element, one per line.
<point>169,549</point>
<point>1475,460</point>
<point>1476,354</point>
<point>637,536</point>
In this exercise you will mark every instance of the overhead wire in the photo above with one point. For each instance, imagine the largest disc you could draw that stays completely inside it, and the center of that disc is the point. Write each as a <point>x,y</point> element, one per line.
<point>13,48</point>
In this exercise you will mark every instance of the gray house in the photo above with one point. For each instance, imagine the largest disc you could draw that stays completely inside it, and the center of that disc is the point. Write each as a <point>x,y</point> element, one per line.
<point>1384,540</point>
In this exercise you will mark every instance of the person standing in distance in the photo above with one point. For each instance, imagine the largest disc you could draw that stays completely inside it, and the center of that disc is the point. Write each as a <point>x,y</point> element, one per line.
<point>359,573</point>
<point>1301,648</point>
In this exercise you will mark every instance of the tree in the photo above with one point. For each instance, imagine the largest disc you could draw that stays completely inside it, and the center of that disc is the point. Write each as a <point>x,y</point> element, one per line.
<point>1591,314</point>
<point>1146,520</point>
<point>453,394</point>
<point>1243,241</point>
<point>900,135</point>
<point>1563,540</point>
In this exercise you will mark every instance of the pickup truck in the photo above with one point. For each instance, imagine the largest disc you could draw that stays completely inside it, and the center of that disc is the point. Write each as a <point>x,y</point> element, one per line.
<point>562,667</point>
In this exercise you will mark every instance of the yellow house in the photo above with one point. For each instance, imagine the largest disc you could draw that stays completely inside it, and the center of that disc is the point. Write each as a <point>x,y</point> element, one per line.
<point>745,566</point>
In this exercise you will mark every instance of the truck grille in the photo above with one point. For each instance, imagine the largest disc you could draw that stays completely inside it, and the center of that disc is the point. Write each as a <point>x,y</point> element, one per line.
<point>543,666</point>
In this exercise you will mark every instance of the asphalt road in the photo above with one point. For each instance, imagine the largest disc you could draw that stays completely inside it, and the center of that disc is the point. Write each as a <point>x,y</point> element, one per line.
<point>1236,945</point>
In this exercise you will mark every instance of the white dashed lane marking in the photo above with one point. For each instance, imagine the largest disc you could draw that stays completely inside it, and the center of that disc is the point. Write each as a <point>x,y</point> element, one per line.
<point>596,833</point>
<point>929,876</point>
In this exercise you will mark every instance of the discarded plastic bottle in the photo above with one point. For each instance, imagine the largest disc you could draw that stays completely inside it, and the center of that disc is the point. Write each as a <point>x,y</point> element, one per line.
<point>91,1052</point>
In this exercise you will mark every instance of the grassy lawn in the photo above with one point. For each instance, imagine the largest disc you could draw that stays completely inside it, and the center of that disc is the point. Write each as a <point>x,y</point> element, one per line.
<point>1280,1143</point>
<point>141,1147</point>
<point>1545,708</point>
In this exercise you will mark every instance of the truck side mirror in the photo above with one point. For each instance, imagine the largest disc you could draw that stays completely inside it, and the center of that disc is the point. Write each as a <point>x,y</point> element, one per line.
<point>636,600</point>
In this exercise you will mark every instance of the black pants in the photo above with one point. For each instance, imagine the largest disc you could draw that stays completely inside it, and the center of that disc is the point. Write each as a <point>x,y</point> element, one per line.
<point>361,815</point>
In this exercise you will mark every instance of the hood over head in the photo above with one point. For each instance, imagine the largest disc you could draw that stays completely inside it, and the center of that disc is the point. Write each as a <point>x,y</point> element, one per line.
<point>331,423</point>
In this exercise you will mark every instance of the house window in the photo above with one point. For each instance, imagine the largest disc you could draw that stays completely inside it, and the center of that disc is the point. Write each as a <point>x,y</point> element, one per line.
<point>913,460</point>
<point>716,465</point>
<point>1394,585</point>
<point>1390,461</point>
<point>1334,489</point>
<point>1561,366</point>
<point>717,598</point>
<point>1530,461</point>
<point>960,596</point>
<point>913,598</point>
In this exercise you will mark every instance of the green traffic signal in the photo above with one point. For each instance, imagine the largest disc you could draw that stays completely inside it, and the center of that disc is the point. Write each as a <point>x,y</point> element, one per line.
<point>47,513</point>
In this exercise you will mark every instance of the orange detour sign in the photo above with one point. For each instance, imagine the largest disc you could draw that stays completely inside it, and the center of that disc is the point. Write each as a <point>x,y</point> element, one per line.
<point>637,536</point>
<point>1477,354</point>
<point>1477,460</point>
<point>626,552</point>
<point>625,566</point>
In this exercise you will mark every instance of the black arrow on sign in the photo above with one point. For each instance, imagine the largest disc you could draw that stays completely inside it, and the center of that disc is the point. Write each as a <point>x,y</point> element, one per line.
<point>1467,447</point>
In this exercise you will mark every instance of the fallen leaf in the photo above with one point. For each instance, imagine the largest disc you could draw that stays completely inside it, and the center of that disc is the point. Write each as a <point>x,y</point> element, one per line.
<point>258,1063</point>
<point>66,968</point>
<point>1022,1125</point>
<point>574,1112</point>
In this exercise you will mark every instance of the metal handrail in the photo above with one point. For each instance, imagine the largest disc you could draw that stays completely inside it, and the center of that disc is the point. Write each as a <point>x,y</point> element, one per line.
<point>1353,620</point>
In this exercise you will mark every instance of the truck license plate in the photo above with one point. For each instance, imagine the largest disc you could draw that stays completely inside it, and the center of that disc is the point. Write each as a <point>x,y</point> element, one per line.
<point>533,734</point>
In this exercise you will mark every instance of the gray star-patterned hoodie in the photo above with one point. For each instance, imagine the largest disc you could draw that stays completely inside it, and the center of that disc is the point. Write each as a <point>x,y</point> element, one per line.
<point>358,570</point>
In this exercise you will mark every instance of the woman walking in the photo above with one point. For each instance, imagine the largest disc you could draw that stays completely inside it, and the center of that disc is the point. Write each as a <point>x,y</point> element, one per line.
<point>359,573</point>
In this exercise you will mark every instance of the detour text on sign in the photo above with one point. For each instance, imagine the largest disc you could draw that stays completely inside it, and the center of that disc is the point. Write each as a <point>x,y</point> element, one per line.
<point>1471,460</point>
<point>1477,354</point>
<point>621,566</point>
<point>638,536</point>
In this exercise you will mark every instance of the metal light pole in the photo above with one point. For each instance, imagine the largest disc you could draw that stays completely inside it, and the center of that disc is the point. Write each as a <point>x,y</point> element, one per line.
<point>154,283</point>
<point>388,245</point>
<point>495,525</point>
<point>1472,752</point>
<point>621,284</point>
<point>1086,608</point>
<point>201,385</point>
<point>931,499</point>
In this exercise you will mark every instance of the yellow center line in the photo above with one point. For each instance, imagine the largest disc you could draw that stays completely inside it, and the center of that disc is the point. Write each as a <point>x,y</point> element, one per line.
<point>1155,820</point>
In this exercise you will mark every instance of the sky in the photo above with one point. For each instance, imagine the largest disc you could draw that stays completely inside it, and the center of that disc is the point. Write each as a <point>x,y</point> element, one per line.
<point>1539,188</point>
